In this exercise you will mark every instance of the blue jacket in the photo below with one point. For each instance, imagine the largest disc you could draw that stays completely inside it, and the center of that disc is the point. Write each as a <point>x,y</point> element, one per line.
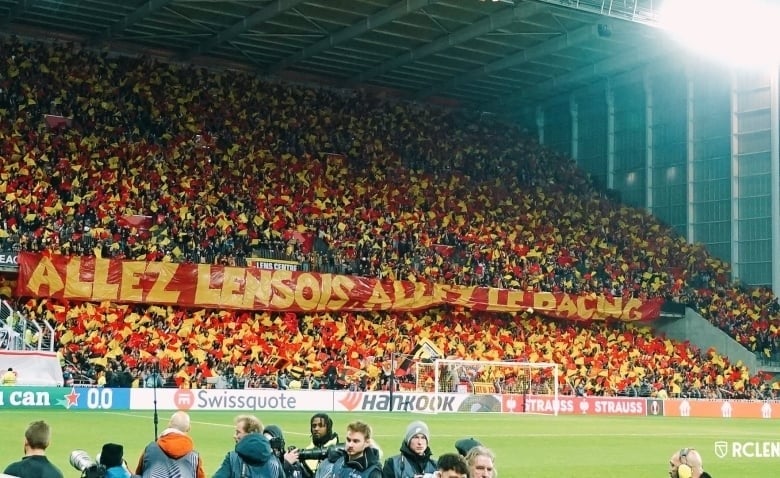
<point>117,472</point>
<point>252,458</point>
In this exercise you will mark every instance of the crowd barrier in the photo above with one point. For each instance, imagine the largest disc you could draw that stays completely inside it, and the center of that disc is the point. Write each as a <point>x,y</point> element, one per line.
<point>269,400</point>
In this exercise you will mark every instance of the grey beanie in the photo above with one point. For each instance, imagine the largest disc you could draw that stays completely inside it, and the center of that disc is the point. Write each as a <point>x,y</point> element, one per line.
<point>416,428</point>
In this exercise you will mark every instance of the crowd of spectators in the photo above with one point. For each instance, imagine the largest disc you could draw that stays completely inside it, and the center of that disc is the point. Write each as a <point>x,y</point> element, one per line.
<point>163,162</point>
<point>125,344</point>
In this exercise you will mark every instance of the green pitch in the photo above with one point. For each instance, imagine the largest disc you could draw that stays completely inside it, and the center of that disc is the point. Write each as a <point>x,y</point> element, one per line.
<point>526,446</point>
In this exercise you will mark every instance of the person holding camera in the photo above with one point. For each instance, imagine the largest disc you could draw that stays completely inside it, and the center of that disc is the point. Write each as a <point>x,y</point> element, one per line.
<point>322,438</point>
<point>687,463</point>
<point>415,459</point>
<point>452,465</point>
<point>35,464</point>
<point>253,456</point>
<point>112,457</point>
<point>359,458</point>
<point>172,453</point>
<point>289,459</point>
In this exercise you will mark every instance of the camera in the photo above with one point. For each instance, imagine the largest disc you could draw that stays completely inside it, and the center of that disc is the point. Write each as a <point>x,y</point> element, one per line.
<point>277,444</point>
<point>89,468</point>
<point>312,454</point>
<point>319,454</point>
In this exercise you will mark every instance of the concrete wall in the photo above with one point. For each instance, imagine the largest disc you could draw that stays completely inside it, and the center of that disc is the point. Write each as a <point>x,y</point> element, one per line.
<point>696,329</point>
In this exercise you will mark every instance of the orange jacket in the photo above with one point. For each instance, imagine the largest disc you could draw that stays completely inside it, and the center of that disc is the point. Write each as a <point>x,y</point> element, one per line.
<point>175,444</point>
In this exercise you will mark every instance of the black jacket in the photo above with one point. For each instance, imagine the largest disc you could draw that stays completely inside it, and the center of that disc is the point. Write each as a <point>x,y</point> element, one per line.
<point>366,466</point>
<point>409,464</point>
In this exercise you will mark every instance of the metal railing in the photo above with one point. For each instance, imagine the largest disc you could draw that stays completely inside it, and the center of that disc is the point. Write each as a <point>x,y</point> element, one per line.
<point>640,11</point>
<point>17,332</point>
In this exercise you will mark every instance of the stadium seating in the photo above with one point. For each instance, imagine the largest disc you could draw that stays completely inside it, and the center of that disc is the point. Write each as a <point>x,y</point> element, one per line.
<point>162,162</point>
<point>191,346</point>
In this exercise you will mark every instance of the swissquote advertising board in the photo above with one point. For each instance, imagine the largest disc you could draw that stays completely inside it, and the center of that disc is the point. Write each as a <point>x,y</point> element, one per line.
<point>354,401</point>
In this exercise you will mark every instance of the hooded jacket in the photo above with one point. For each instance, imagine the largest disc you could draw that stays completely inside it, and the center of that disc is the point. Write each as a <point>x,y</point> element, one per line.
<point>276,433</point>
<point>174,448</point>
<point>252,458</point>
<point>408,464</point>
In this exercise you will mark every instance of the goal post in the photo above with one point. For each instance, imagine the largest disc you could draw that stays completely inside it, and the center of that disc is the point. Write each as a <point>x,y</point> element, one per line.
<point>482,377</point>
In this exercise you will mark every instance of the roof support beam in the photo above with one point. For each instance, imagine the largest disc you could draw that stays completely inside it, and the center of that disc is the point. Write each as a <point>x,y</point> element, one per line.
<point>376,20</point>
<point>139,14</point>
<point>592,73</point>
<point>261,16</point>
<point>496,20</point>
<point>17,11</point>
<point>549,47</point>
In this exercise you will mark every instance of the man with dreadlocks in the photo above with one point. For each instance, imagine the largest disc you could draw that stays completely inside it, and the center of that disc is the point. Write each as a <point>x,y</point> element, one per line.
<point>322,436</point>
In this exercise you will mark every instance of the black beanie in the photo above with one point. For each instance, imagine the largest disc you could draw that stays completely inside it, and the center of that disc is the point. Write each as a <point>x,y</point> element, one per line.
<point>277,438</point>
<point>464,445</point>
<point>111,455</point>
<point>274,431</point>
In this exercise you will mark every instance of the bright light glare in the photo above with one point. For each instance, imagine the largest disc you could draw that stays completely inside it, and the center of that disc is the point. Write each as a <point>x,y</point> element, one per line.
<point>738,32</point>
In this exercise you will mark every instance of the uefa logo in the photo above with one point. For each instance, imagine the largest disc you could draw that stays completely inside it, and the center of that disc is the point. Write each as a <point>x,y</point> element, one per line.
<point>721,449</point>
<point>184,399</point>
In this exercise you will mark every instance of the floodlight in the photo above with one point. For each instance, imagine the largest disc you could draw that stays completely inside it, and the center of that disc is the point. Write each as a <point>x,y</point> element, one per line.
<point>737,32</point>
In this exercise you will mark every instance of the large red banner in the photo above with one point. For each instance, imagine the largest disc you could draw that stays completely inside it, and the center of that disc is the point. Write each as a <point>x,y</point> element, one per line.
<point>248,288</point>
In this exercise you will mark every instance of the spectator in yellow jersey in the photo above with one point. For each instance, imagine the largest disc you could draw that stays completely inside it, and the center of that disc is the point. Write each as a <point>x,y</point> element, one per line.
<point>9,378</point>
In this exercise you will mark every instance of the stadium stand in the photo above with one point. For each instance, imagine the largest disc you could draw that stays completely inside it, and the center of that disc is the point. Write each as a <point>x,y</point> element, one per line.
<point>161,162</point>
<point>607,359</point>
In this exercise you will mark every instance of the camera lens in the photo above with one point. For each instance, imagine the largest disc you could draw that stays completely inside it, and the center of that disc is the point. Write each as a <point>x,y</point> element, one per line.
<point>80,460</point>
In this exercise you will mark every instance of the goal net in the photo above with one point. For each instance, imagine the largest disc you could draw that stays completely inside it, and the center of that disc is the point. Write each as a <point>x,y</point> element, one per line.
<point>508,382</point>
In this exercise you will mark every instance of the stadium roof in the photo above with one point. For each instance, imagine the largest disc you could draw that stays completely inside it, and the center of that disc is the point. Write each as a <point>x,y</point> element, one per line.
<point>485,54</point>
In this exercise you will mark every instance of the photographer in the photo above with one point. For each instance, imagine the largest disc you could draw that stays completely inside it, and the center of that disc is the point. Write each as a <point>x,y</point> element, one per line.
<point>358,459</point>
<point>112,457</point>
<point>288,459</point>
<point>322,438</point>
<point>173,450</point>
<point>415,457</point>
<point>252,457</point>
